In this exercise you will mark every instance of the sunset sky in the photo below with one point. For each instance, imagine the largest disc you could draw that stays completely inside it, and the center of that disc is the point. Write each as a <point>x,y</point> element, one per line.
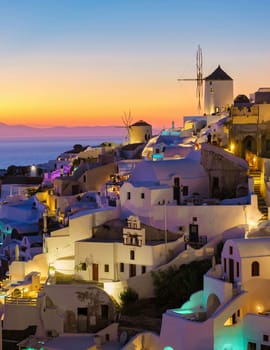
<point>87,62</point>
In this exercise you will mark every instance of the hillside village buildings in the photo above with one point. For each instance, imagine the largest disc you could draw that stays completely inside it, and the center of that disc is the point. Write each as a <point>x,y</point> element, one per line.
<point>120,219</point>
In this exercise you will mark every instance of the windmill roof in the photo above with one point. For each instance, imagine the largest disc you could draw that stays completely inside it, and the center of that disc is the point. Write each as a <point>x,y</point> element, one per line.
<point>140,123</point>
<point>218,74</point>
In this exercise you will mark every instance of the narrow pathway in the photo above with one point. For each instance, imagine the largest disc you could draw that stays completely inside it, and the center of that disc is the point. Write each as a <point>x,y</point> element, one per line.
<point>256,174</point>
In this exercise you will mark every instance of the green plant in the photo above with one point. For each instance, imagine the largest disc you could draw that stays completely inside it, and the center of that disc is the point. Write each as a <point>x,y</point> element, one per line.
<point>174,286</point>
<point>128,298</point>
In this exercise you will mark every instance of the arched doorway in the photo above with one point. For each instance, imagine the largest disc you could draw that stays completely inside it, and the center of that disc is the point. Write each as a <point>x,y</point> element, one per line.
<point>249,146</point>
<point>212,304</point>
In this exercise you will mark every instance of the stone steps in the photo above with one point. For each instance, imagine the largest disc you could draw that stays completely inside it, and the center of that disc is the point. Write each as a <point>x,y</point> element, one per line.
<point>256,174</point>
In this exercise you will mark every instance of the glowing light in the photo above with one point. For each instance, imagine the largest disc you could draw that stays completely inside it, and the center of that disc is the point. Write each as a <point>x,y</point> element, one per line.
<point>51,271</point>
<point>259,308</point>
<point>228,322</point>
<point>158,156</point>
<point>252,224</point>
<point>168,348</point>
<point>183,312</point>
<point>254,160</point>
<point>232,147</point>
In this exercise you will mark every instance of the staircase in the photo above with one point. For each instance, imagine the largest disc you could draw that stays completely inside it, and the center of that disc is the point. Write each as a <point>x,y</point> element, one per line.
<point>256,174</point>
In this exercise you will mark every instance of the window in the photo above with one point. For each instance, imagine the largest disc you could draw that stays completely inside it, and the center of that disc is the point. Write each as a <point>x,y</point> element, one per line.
<point>176,181</point>
<point>143,269</point>
<point>237,269</point>
<point>185,190</point>
<point>266,337</point>
<point>267,145</point>
<point>225,265</point>
<point>255,268</point>
<point>122,267</point>
<point>264,347</point>
<point>238,313</point>
<point>83,266</point>
<point>128,195</point>
<point>142,195</point>
<point>132,255</point>
<point>106,268</point>
<point>230,250</point>
<point>104,312</point>
<point>84,178</point>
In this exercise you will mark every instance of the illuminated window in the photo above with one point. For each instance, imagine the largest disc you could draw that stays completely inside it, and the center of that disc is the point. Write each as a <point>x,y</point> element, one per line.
<point>228,322</point>
<point>255,268</point>
<point>231,321</point>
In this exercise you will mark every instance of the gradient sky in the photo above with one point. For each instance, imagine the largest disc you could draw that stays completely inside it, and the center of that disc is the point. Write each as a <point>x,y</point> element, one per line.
<point>86,62</point>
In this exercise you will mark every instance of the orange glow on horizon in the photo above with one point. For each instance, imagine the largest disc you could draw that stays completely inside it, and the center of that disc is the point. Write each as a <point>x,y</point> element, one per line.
<point>55,106</point>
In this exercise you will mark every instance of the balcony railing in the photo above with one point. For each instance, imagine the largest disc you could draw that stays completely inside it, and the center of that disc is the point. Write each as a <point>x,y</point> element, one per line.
<point>21,301</point>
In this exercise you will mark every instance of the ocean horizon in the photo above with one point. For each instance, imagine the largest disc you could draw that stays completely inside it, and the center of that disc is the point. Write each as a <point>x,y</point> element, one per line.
<point>34,151</point>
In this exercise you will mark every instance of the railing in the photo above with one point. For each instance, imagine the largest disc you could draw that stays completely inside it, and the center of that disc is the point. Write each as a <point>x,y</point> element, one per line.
<point>21,301</point>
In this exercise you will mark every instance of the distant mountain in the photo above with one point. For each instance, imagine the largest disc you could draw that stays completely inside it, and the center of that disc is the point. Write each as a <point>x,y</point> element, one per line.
<point>23,131</point>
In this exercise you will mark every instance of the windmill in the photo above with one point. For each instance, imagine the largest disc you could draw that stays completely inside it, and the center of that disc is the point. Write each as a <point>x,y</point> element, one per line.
<point>199,77</point>
<point>127,120</point>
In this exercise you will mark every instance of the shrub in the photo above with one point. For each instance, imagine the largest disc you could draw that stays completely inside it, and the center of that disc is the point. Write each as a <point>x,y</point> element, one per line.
<point>128,298</point>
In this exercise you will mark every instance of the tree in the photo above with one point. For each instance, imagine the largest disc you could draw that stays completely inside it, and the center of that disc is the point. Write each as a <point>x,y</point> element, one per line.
<point>174,286</point>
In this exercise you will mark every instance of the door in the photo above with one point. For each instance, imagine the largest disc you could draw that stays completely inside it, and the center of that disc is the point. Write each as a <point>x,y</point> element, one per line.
<point>231,271</point>
<point>132,270</point>
<point>95,272</point>
<point>105,312</point>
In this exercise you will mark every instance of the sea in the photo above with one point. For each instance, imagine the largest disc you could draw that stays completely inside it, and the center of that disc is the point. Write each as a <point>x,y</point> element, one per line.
<point>34,151</point>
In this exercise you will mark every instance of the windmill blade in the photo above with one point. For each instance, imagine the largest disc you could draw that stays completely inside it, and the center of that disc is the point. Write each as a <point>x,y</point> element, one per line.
<point>127,120</point>
<point>199,66</point>
<point>199,76</point>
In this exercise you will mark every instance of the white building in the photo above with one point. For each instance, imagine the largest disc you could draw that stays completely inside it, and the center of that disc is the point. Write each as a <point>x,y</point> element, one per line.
<point>116,261</point>
<point>232,311</point>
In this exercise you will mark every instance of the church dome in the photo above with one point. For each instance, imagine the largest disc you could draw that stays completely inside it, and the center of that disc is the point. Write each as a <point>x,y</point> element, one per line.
<point>241,99</point>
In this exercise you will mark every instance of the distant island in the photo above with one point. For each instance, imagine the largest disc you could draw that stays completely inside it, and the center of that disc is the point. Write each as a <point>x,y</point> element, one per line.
<point>22,131</point>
